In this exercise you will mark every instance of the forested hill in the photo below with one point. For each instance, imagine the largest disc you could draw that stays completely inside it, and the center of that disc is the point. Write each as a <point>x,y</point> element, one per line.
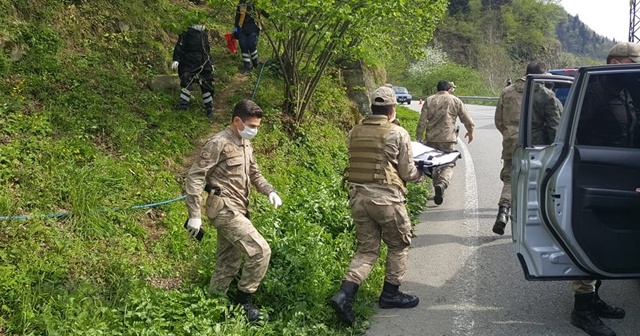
<point>579,39</point>
<point>498,37</point>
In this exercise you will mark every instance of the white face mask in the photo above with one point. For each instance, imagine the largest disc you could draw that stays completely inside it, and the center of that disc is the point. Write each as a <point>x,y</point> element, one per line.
<point>247,133</point>
<point>199,27</point>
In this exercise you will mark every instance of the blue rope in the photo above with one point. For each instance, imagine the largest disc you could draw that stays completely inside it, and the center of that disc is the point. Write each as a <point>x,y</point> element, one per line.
<point>255,88</point>
<point>67,214</point>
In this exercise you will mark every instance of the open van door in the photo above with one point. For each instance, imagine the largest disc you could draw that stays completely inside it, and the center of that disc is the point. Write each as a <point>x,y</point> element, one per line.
<point>576,201</point>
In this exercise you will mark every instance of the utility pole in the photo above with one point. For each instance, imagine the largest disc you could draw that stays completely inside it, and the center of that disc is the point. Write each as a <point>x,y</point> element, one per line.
<point>634,21</point>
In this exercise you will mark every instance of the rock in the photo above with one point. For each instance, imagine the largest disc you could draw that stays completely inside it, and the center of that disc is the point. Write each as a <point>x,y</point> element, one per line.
<point>360,81</point>
<point>16,51</point>
<point>165,83</point>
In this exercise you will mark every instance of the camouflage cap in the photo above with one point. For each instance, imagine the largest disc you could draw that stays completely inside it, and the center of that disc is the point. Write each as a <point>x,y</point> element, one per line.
<point>383,96</point>
<point>626,49</point>
<point>453,85</point>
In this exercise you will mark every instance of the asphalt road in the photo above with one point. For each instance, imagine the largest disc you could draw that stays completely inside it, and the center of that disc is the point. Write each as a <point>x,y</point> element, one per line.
<point>468,279</point>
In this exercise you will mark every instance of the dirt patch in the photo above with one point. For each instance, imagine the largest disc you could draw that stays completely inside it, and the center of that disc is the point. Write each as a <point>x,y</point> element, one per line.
<point>153,224</point>
<point>223,99</point>
<point>168,283</point>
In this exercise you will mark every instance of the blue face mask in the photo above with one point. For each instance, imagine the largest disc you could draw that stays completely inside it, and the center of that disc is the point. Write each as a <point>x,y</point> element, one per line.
<point>248,133</point>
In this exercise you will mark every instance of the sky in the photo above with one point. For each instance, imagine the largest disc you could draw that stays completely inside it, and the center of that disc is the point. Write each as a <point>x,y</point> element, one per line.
<point>609,18</point>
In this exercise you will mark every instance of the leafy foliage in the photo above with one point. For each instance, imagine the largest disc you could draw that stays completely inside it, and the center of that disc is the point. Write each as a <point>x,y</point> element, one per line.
<point>578,39</point>
<point>306,37</point>
<point>425,75</point>
<point>459,6</point>
<point>81,133</point>
<point>499,37</point>
<point>529,27</point>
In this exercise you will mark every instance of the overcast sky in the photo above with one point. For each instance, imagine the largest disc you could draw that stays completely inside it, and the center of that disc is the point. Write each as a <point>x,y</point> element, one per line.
<point>609,18</point>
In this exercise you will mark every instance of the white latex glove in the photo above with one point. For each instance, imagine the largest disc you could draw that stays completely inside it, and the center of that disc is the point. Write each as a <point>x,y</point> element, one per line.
<point>174,65</point>
<point>275,200</point>
<point>193,226</point>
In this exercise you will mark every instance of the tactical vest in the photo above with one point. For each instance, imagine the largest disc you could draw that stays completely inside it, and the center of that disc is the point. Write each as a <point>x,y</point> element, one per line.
<point>368,162</point>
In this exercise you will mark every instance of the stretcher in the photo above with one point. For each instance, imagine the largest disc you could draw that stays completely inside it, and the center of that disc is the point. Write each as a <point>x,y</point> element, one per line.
<point>430,158</point>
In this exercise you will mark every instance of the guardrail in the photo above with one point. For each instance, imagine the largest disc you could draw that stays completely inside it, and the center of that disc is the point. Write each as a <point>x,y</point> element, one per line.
<point>469,99</point>
<point>478,99</point>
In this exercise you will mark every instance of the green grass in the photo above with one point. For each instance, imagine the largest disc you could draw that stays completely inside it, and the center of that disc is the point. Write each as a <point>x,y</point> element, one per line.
<point>81,133</point>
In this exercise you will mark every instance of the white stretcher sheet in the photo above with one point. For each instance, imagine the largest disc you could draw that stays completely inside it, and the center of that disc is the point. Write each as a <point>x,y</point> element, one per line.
<point>431,157</point>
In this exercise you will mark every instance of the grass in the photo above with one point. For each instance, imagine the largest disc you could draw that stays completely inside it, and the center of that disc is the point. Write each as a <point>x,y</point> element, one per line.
<point>81,133</point>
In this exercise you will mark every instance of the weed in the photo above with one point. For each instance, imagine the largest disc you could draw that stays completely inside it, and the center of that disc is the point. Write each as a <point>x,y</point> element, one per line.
<point>80,133</point>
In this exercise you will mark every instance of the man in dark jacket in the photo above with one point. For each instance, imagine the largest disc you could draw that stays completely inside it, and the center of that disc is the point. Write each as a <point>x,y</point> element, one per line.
<point>247,27</point>
<point>192,58</point>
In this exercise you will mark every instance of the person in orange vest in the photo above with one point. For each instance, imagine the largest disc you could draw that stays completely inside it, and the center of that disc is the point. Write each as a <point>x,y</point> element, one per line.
<point>247,27</point>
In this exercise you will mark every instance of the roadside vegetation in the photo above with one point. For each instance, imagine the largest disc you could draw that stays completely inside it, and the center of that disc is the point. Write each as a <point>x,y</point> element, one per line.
<point>81,135</point>
<point>482,43</point>
<point>87,151</point>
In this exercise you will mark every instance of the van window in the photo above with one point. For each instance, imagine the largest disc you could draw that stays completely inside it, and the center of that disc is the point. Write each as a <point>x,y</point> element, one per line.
<point>609,114</point>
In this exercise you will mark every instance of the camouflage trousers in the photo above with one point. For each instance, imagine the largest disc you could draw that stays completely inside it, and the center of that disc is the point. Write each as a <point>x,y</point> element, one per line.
<point>505,177</point>
<point>443,173</point>
<point>375,220</point>
<point>583,286</point>
<point>238,239</point>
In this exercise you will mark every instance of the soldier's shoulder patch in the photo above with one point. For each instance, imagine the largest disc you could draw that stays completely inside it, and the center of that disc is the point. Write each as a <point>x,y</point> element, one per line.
<point>228,148</point>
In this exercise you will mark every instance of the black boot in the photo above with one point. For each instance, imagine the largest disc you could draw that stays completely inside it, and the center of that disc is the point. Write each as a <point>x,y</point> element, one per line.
<point>251,311</point>
<point>584,316</point>
<point>184,104</point>
<point>209,111</point>
<point>246,67</point>
<point>254,62</point>
<point>342,302</point>
<point>501,220</point>
<point>605,310</point>
<point>439,197</point>
<point>392,297</point>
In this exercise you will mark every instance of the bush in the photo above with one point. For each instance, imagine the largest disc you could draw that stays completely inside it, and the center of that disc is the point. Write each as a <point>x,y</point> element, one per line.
<point>469,82</point>
<point>83,138</point>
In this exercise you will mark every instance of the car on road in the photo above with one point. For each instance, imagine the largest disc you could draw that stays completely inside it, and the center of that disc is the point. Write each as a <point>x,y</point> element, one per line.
<point>576,206</point>
<point>402,94</point>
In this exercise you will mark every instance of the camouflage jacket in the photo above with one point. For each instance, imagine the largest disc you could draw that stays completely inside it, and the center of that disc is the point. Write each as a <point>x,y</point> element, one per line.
<point>226,162</point>
<point>545,116</point>
<point>507,116</point>
<point>438,118</point>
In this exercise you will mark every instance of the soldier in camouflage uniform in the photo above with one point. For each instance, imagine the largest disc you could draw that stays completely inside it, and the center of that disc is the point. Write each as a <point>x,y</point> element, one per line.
<point>438,120</point>
<point>604,121</point>
<point>380,163</point>
<point>226,163</point>
<point>546,115</point>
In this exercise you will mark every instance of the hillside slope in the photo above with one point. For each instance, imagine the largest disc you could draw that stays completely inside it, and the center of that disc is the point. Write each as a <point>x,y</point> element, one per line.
<point>82,135</point>
<point>579,39</point>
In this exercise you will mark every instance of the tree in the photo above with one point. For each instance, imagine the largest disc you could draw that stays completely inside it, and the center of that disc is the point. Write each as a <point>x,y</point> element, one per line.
<point>494,4</point>
<point>459,6</point>
<point>307,35</point>
<point>530,27</point>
